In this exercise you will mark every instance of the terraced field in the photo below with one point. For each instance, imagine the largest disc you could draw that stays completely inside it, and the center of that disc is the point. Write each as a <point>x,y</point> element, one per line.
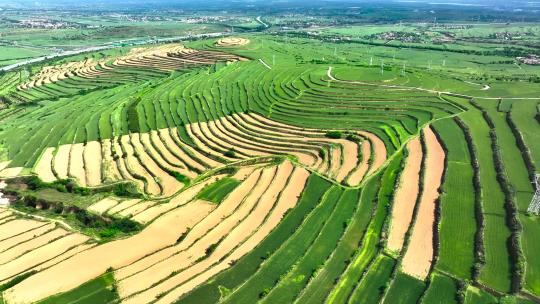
<point>243,170</point>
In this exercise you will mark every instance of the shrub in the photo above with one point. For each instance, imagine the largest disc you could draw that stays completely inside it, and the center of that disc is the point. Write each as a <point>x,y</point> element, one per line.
<point>179,177</point>
<point>16,280</point>
<point>230,153</point>
<point>58,208</point>
<point>125,190</point>
<point>353,138</point>
<point>125,225</point>
<point>30,201</point>
<point>61,188</point>
<point>108,233</point>
<point>34,183</point>
<point>334,134</point>
<point>211,249</point>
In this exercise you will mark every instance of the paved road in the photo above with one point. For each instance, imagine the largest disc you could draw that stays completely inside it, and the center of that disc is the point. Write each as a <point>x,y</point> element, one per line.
<point>262,22</point>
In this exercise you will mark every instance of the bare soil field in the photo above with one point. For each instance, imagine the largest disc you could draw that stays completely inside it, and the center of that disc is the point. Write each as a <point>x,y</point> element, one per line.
<point>67,275</point>
<point>406,195</point>
<point>419,255</point>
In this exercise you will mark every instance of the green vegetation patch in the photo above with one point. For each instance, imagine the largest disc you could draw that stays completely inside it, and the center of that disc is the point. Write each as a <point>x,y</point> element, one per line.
<point>442,289</point>
<point>404,289</point>
<point>457,226</point>
<point>16,280</point>
<point>375,282</point>
<point>100,290</point>
<point>475,295</point>
<point>217,191</point>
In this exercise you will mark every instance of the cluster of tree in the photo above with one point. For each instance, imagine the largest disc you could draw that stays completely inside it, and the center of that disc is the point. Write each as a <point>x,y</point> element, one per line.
<point>505,51</point>
<point>339,134</point>
<point>107,227</point>
<point>33,183</point>
<point>63,185</point>
<point>513,243</point>
<point>479,250</point>
<point>535,79</point>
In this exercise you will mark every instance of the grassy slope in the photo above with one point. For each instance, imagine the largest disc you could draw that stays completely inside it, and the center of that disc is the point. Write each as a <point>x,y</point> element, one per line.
<point>496,270</point>
<point>442,289</point>
<point>404,289</point>
<point>458,225</point>
<point>523,191</point>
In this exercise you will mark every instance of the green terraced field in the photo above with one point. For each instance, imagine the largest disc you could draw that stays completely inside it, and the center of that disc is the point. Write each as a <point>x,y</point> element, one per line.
<point>275,170</point>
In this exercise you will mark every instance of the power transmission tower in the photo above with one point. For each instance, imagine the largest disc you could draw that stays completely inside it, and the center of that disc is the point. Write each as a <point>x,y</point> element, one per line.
<point>534,206</point>
<point>403,70</point>
<point>382,67</point>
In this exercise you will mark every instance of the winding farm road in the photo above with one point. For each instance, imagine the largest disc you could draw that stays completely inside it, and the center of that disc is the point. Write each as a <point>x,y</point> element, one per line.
<point>262,22</point>
<point>265,64</point>
<point>329,74</point>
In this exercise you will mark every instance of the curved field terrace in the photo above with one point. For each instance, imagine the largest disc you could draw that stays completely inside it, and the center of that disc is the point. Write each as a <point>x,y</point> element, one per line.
<point>273,163</point>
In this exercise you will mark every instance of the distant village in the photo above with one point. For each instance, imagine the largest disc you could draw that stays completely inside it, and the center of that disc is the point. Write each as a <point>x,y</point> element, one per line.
<point>531,59</point>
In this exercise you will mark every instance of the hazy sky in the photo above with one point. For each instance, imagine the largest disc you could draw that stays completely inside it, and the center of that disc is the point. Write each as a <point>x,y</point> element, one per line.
<point>225,3</point>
